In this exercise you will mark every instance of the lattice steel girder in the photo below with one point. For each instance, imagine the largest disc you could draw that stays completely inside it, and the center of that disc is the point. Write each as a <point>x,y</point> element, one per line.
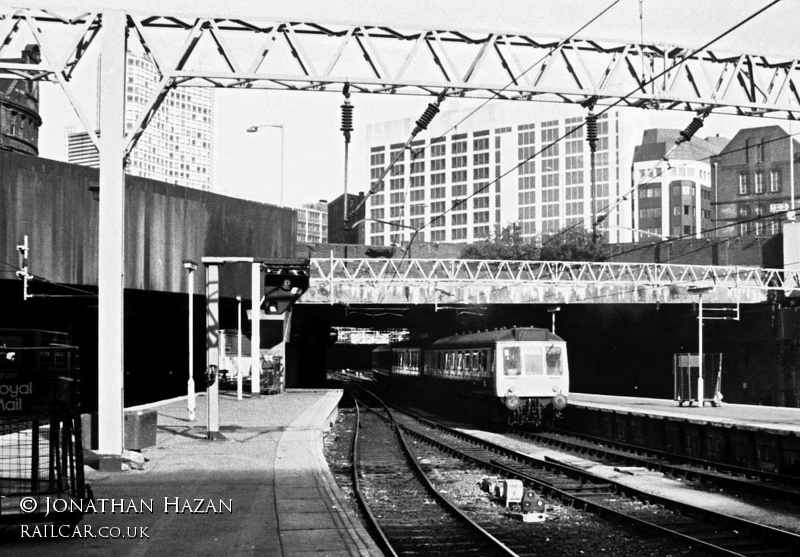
<point>250,52</point>
<point>356,278</point>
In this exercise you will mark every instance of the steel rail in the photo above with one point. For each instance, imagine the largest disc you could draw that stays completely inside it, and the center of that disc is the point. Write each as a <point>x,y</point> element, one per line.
<point>420,473</point>
<point>382,540</point>
<point>642,456</point>
<point>787,539</point>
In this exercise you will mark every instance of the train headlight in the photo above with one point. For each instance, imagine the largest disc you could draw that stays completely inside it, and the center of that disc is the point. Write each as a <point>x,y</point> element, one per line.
<point>559,402</point>
<point>512,402</point>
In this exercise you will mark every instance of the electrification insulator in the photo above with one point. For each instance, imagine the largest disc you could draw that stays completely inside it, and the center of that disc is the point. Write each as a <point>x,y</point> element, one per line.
<point>426,118</point>
<point>591,130</point>
<point>691,129</point>
<point>347,119</point>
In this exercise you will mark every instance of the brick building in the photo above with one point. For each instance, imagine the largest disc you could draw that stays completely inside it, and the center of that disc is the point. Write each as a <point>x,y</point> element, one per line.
<point>19,109</point>
<point>754,182</point>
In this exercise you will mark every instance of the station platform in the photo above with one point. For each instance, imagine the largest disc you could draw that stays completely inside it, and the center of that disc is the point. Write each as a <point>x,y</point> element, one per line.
<point>748,436</point>
<point>265,489</point>
<point>743,416</point>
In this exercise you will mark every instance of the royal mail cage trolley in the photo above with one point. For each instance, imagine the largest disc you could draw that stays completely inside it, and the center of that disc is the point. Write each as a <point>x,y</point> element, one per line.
<point>41,451</point>
<point>685,372</point>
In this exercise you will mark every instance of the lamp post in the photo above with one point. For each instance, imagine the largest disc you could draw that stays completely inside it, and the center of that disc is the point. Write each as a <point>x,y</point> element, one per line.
<point>700,290</point>
<point>239,349</point>
<point>553,310</point>
<point>254,129</point>
<point>190,266</point>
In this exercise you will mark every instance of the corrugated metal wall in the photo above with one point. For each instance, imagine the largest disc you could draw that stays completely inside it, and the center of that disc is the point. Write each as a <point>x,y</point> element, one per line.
<point>50,201</point>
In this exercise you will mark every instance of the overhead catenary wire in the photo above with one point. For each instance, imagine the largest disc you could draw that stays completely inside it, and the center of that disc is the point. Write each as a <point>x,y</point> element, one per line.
<point>606,109</point>
<point>347,129</point>
<point>579,126</point>
<point>688,132</point>
<point>421,124</point>
<point>495,95</point>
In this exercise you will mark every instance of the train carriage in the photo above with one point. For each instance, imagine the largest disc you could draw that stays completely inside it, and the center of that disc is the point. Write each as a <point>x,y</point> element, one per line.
<point>520,374</point>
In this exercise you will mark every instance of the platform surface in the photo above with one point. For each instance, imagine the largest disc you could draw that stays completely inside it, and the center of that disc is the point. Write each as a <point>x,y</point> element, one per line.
<point>779,419</point>
<point>265,489</point>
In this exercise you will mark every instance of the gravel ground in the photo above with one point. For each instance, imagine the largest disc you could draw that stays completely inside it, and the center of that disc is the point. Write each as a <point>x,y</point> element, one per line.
<point>564,531</point>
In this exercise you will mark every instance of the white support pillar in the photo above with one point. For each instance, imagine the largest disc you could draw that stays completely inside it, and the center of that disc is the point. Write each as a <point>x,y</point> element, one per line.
<point>239,366</point>
<point>212,351</point>
<point>111,272</point>
<point>700,380</point>
<point>255,335</point>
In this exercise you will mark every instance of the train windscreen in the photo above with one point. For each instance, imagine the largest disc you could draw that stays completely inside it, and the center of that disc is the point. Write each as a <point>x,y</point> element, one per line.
<point>533,360</point>
<point>554,366</point>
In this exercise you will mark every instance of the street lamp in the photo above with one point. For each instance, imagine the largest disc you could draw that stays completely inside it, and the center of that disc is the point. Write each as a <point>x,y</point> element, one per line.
<point>254,129</point>
<point>553,310</point>
<point>190,266</point>
<point>700,290</point>
<point>239,349</point>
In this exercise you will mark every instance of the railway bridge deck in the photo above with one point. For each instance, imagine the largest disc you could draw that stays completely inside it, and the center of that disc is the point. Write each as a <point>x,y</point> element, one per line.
<point>443,282</point>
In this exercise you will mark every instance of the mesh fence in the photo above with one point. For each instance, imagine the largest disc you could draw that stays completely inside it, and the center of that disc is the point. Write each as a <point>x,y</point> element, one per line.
<point>41,452</point>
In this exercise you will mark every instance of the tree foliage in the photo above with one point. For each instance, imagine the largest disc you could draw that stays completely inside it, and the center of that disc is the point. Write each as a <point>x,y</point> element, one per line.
<point>507,245</point>
<point>573,243</point>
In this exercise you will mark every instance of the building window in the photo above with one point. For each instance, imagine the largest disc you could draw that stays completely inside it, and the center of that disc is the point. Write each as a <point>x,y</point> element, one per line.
<point>759,182</point>
<point>774,181</point>
<point>480,232</point>
<point>459,234</point>
<point>480,159</point>
<point>742,183</point>
<point>480,144</point>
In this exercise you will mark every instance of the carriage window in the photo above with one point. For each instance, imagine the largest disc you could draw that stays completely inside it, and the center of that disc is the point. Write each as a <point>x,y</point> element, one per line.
<point>482,361</point>
<point>511,360</point>
<point>532,358</point>
<point>460,361</point>
<point>554,361</point>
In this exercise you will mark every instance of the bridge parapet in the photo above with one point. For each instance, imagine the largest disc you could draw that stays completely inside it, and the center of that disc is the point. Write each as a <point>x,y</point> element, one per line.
<point>461,281</point>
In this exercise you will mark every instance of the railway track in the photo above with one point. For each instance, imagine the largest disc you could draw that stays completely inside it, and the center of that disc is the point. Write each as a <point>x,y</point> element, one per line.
<point>407,515</point>
<point>759,482</point>
<point>714,532</point>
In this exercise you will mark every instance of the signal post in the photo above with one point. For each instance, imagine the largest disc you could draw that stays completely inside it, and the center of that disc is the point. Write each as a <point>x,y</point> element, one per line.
<point>285,281</point>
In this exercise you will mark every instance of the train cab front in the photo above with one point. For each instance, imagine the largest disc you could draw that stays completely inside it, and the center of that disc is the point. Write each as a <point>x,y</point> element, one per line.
<point>533,382</point>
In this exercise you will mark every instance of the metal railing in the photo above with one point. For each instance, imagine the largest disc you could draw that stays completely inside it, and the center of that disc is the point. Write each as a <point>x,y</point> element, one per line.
<point>376,271</point>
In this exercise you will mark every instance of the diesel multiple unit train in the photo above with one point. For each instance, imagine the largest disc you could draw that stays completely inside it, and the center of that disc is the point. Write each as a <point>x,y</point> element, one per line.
<point>519,375</point>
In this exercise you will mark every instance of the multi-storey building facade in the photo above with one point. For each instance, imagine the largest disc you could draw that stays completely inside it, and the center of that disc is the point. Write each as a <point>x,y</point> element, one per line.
<point>312,223</point>
<point>505,164</point>
<point>338,210</point>
<point>672,191</point>
<point>754,176</point>
<point>178,145</point>
<point>19,109</point>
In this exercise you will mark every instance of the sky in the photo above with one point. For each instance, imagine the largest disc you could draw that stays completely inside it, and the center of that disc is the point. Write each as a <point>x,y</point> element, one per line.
<point>248,164</point>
